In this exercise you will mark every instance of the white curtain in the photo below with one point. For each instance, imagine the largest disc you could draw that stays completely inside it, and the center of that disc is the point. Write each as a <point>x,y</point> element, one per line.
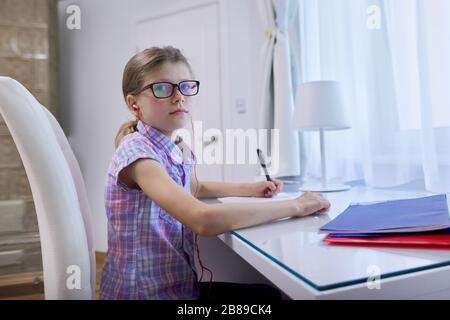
<point>393,58</point>
<point>276,97</point>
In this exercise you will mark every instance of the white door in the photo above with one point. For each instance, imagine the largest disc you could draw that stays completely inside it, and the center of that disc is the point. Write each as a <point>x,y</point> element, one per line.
<point>195,31</point>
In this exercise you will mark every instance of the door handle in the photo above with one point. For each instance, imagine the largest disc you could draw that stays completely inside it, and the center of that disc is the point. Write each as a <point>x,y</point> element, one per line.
<point>210,141</point>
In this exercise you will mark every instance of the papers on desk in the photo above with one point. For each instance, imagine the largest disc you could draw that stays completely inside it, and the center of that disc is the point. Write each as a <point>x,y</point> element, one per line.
<point>417,222</point>
<point>278,197</point>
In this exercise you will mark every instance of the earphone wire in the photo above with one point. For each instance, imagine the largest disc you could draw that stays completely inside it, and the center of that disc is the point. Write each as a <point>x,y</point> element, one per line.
<point>196,235</point>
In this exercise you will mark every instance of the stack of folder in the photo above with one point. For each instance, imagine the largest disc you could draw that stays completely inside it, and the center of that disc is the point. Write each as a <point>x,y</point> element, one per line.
<point>419,222</point>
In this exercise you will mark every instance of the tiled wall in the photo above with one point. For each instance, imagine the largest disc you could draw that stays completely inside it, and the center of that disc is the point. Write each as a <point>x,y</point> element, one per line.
<point>28,54</point>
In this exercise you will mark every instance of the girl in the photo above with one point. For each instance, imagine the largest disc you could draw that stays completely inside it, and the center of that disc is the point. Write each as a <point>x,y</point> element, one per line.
<point>153,218</point>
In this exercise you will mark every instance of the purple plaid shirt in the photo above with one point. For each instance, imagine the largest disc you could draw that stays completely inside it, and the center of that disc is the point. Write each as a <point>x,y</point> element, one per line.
<point>150,253</point>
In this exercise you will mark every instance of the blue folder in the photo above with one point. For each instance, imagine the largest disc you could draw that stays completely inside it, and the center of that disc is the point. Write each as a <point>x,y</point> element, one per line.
<point>389,234</point>
<point>394,216</point>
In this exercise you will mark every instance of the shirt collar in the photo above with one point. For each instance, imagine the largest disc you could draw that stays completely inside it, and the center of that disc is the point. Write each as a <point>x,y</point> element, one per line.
<point>162,141</point>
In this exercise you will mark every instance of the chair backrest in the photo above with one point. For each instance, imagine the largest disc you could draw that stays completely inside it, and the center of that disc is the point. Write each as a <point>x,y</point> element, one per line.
<point>59,194</point>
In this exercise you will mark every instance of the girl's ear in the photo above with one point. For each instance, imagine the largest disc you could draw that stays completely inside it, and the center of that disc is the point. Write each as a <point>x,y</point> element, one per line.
<point>130,100</point>
<point>132,105</point>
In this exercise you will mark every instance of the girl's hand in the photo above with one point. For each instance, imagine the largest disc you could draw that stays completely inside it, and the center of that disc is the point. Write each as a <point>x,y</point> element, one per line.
<point>311,202</point>
<point>266,189</point>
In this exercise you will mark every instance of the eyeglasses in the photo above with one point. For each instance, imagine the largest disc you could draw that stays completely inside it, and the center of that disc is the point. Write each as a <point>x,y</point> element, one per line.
<point>163,90</point>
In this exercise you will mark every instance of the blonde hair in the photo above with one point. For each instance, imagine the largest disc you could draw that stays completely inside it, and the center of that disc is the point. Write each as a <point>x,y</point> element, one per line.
<point>135,71</point>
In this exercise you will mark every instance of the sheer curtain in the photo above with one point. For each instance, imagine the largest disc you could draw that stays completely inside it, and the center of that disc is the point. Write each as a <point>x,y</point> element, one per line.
<point>393,58</point>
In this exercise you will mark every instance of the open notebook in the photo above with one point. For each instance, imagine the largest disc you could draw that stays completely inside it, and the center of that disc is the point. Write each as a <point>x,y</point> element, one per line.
<point>278,197</point>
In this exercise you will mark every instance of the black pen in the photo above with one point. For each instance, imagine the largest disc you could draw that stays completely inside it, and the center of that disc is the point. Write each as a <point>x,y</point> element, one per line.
<point>262,161</point>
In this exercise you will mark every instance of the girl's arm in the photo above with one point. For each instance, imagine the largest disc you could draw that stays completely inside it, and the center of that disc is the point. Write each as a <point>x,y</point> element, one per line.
<point>213,219</point>
<point>216,189</point>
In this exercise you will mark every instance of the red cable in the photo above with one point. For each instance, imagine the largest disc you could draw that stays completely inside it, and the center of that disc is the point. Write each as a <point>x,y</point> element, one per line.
<point>196,235</point>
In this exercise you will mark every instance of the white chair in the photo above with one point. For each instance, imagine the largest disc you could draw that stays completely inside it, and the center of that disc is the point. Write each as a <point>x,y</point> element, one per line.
<point>59,194</point>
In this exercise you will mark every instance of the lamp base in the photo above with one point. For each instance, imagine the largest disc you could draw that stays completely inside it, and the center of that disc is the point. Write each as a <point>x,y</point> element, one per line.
<point>330,187</point>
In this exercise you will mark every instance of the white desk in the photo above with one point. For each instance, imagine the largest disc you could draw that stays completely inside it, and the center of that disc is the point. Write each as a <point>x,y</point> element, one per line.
<point>292,255</point>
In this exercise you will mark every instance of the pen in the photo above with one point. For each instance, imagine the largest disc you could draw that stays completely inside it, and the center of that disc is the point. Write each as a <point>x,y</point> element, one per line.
<point>262,161</point>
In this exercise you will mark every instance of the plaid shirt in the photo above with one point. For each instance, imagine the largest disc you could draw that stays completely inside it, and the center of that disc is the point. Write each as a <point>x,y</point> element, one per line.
<point>150,253</point>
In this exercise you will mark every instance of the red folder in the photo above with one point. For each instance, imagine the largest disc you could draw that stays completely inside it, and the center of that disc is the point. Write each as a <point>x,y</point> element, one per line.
<point>439,240</point>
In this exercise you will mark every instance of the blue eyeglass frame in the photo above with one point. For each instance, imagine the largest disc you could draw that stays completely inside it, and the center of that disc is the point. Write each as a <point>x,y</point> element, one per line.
<point>174,85</point>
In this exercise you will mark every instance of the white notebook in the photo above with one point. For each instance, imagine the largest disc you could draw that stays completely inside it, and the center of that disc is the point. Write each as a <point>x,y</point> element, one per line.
<point>278,197</point>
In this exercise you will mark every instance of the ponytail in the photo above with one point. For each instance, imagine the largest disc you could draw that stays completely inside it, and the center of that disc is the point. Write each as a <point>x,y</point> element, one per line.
<point>126,128</point>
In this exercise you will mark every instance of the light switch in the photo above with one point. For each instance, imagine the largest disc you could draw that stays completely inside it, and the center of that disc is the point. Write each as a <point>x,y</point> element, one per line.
<point>241,105</point>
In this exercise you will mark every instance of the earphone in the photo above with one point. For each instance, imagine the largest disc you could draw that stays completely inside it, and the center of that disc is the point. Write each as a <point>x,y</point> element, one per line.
<point>135,107</point>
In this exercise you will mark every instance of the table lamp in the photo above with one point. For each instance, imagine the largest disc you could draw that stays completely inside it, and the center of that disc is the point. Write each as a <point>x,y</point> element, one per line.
<point>319,105</point>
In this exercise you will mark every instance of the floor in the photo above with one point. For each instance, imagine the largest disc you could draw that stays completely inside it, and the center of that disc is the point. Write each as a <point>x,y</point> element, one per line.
<point>30,286</point>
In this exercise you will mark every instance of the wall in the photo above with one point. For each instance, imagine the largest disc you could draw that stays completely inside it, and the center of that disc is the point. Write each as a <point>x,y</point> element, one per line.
<point>246,37</point>
<point>92,107</point>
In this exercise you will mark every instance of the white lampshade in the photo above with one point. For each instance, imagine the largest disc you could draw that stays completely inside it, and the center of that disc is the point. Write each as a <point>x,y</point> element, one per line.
<point>320,105</point>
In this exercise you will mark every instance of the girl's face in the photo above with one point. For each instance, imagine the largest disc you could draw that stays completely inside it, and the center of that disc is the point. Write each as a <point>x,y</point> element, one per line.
<point>166,114</point>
